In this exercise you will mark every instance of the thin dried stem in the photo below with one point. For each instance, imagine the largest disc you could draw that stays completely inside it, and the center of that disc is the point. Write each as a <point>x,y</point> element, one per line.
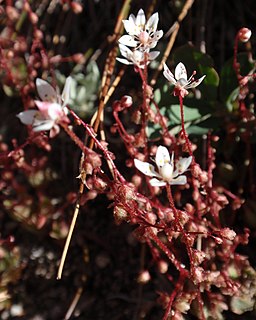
<point>74,303</point>
<point>106,83</point>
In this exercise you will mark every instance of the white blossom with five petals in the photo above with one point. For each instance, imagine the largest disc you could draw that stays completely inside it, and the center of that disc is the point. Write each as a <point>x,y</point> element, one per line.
<point>141,33</point>
<point>165,169</point>
<point>180,79</point>
<point>51,109</point>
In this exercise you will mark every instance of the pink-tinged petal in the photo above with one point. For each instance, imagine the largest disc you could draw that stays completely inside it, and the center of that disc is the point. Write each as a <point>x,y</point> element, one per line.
<point>49,110</point>
<point>27,117</point>
<point>145,168</point>
<point>162,156</point>
<point>54,131</point>
<point>66,92</point>
<point>43,125</point>
<point>195,83</point>
<point>45,91</point>
<point>182,166</point>
<point>43,107</point>
<point>128,40</point>
<point>168,75</point>
<point>55,111</point>
<point>140,19</point>
<point>152,23</point>
<point>181,180</point>
<point>181,72</point>
<point>157,183</point>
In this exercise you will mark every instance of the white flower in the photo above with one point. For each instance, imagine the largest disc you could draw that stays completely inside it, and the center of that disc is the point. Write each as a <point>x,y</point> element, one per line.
<point>180,80</point>
<point>47,93</point>
<point>141,34</point>
<point>51,110</point>
<point>136,57</point>
<point>165,169</point>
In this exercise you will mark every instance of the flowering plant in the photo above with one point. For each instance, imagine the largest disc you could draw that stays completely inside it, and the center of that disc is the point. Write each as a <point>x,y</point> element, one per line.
<point>167,208</point>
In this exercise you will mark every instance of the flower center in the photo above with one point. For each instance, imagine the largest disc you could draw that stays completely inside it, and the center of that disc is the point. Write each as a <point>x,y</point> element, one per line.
<point>144,37</point>
<point>166,172</point>
<point>182,82</point>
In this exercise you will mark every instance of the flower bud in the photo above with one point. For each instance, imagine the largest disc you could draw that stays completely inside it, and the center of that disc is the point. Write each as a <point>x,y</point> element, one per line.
<point>126,101</point>
<point>33,18</point>
<point>76,7</point>
<point>12,13</point>
<point>244,34</point>
<point>78,58</point>
<point>144,277</point>
<point>199,256</point>
<point>198,275</point>
<point>228,234</point>
<point>120,214</point>
<point>162,266</point>
<point>151,217</point>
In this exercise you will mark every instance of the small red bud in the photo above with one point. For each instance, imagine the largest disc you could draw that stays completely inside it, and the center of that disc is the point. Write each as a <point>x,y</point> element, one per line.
<point>78,58</point>
<point>126,101</point>
<point>33,18</point>
<point>76,7</point>
<point>12,13</point>
<point>244,34</point>
<point>38,34</point>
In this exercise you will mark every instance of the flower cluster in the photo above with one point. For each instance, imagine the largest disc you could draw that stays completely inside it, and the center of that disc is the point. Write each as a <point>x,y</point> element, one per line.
<point>51,110</point>
<point>142,36</point>
<point>165,165</point>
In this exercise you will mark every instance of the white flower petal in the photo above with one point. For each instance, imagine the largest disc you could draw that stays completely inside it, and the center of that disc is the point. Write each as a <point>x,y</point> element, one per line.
<point>195,83</point>
<point>157,183</point>
<point>155,38</point>
<point>27,117</point>
<point>43,125</point>
<point>128,40</point>
<point>153,55</point>
<point>168,75</point>
<point>124,61</point>
<point>45,91</point>
<point>125,52</point>
<point>181,72</point>
<point>182,165</point>
<point>162,156</point>
<point>152,23</point>
<point>158,34</point>
<point>66,92</point>
<point>140,19</point>
<point>181,180</point>
<point>130,26</point>
<point>145,168</point>
<point>138,56</point>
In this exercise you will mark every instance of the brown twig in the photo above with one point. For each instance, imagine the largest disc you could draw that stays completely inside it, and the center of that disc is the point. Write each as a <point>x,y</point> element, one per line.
<point>109,67</point>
